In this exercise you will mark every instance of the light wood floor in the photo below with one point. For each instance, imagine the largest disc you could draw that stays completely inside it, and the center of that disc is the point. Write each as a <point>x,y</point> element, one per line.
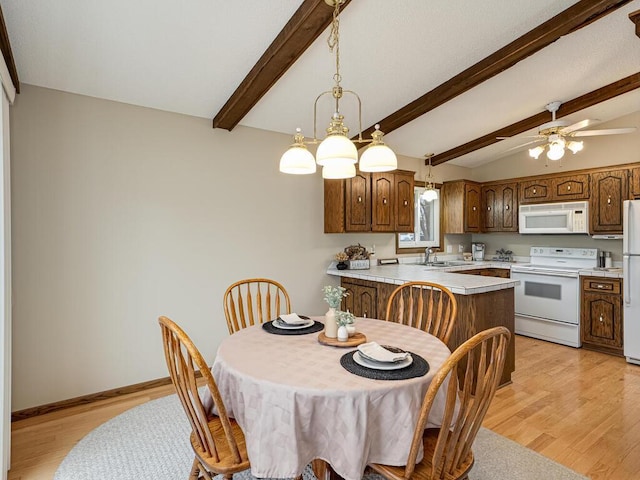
<point>580,408</point>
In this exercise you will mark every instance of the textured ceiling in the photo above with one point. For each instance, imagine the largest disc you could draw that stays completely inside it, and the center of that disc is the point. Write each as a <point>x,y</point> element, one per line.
<point>188,57</point>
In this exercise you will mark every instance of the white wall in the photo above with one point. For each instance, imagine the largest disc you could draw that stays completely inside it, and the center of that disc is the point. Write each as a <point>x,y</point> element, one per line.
<point>122,214</point>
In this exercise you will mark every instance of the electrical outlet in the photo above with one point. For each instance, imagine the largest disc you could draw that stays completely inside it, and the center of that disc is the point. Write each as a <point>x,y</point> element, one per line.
<point>460,248</point>
<point>449,249</point>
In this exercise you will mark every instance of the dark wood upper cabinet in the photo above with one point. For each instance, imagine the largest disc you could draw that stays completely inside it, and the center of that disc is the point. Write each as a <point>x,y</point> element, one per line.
<point>500,207</point>
<point>609,190</point>
<point>460,207</point>
<point>573,187</point>
<point>635,182</point>
<point>370,202</point>
<point>533,191</point>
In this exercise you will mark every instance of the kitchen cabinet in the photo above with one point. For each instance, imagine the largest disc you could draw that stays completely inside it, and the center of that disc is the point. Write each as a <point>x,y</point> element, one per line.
<point>555,188</point>
<point>609,190</point>
<point>377,202</point>
<point>362,298</point>
<point>635,182</point>
<point>461,207</point>
<point>601,314</point>
<point>499,207</point>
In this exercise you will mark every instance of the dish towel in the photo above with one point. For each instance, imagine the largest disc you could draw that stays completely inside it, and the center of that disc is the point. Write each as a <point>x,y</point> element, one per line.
<point>381,354</point>
<point>293,319</point>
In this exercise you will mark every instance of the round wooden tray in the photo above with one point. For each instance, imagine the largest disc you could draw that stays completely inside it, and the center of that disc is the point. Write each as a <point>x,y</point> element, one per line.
<point>354,340</point>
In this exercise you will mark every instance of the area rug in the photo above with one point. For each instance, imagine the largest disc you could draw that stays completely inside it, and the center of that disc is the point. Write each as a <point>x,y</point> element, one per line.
<point>151,441</point>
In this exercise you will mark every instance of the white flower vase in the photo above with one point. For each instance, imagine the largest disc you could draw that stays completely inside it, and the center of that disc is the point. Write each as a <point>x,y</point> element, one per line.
<point>330,325</point>
<point>343,334</point>
<point>351,330</point>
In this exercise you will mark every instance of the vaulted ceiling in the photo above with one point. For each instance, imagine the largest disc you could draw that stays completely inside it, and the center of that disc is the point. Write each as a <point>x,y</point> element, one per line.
<point>440,74</point>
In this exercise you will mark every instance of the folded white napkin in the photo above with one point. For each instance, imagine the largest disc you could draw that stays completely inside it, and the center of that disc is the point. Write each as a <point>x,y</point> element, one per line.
<point>381,354</point>
<point>293,319</point>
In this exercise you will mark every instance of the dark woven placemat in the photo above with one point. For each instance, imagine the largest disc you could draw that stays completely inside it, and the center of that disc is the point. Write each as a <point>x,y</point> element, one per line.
<point>418,368</point>
<point>316,327</point>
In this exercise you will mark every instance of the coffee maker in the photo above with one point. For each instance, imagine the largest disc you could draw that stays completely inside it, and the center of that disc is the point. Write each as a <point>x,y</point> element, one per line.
<point>477,251</point>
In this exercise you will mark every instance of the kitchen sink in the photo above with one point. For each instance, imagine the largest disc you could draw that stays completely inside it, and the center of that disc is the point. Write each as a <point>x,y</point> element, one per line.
<point>449,263</point>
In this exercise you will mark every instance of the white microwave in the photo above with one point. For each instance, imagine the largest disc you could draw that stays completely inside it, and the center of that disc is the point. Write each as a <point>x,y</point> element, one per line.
<point>569,217</point>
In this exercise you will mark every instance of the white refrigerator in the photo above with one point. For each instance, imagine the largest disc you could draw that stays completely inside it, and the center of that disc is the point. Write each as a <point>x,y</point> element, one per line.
<point>631,280</point>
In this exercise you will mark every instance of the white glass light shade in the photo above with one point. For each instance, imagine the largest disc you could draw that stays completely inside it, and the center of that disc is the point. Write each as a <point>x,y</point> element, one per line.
<point>297,160</point>
<point>336,150</point>
<point>536,152</point>
<point>575,147</point>
<point>335,171</point>
<point>429,195</point>
<point>378,158</point>
<point>556,151</point>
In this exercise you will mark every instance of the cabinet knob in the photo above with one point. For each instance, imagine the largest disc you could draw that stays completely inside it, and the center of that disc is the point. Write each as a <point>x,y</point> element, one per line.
<point>359,199</point>
<point>609,200</point>
<point>366,315</point>
<point>406,203</point>
<point>474,209</point>
<point>600,286</point>
<point>506,207</point>
<point>601,319</point>
<point>568,187</point>
<point>534,191</point>
<point>489,208</point>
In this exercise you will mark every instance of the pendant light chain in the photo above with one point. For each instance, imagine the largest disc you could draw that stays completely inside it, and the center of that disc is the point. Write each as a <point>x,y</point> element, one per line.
<point>334,40</point>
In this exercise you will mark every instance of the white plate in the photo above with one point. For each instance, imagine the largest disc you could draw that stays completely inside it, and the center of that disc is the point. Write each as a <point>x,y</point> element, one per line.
<point>285,326</point>
<point>360,360</point>
<point>364,356</point>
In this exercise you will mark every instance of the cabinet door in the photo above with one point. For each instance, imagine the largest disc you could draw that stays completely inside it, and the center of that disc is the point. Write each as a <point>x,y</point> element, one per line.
<point>533,191</point>
<point>574,187</point>
<point>358,203</point>
<point>472,208</point>
<point>509,208</point>
<point>601,322</point>
<point>382,192</point>
<point>610,189</point>
<point>404,208</point>
<point>491,208</point>
<point>635,182</point>
<point>366,302</point>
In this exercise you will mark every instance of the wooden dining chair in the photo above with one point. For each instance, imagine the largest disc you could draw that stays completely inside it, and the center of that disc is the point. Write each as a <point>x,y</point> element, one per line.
<point>217,440</point>
<point>254,301</point>
<point>475,368</point>
<point>424,305</point>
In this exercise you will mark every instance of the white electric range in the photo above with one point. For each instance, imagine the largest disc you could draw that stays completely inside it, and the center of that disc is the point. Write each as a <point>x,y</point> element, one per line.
<point>547,300</point>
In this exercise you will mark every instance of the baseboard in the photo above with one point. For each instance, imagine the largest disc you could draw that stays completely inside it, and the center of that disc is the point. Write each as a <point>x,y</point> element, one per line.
<point>87,399</point>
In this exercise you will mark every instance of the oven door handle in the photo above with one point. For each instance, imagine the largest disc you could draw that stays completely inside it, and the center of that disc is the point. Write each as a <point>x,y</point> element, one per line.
<point>547,273</point>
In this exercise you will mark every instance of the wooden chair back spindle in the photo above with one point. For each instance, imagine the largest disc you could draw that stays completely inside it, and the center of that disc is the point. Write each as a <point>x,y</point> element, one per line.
<point>254,301</point>
<point>424,305</point>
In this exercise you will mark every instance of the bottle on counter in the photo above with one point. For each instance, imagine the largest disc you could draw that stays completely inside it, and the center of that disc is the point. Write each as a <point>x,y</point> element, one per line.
<point>601,259</point>
<point>607,260</point>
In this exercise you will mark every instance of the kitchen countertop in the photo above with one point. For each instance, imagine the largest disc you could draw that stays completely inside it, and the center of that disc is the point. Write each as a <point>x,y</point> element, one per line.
<point>461,284</point>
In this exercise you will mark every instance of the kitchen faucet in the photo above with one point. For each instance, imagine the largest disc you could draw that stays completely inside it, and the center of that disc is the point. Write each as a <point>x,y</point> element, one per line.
<point>427,253</point>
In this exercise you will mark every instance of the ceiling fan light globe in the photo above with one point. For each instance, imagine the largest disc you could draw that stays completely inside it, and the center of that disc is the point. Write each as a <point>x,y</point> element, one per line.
<point>336,149</point>
<point>378,158</point>
<point>536,152</point>
<point>556,152</point>
<point>297,160</point>
<point>575,147</point>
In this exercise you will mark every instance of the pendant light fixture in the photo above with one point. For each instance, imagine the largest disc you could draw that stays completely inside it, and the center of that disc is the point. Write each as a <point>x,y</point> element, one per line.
<point>430,193</point>
<point>337,154</point>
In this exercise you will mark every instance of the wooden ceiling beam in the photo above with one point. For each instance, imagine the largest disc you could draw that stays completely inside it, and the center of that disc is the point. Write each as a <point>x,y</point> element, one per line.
<point>573,18</point>
<point>607,92</point>
<point>306,24</point>
<point>5,48</point>
<point>635,18</point>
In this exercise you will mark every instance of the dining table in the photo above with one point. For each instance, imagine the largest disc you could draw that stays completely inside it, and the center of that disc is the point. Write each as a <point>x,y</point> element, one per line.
<point>296,399</point>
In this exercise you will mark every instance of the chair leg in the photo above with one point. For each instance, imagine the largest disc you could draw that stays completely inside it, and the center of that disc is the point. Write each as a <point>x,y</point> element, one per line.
<point>195,470</point>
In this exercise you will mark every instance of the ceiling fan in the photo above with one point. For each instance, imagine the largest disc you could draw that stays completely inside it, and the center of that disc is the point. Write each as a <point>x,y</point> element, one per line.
<point>559,134</point>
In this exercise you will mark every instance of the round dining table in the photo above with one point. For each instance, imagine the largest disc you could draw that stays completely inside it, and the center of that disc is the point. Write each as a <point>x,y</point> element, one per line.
<point>295,402</point>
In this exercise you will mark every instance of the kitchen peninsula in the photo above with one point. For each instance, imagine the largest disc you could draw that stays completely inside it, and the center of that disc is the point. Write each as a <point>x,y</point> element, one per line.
<point>483,301</point>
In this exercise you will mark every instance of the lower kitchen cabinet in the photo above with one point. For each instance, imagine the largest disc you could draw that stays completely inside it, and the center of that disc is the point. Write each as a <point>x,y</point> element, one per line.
<point>601,314</point>
<point>362,298</point>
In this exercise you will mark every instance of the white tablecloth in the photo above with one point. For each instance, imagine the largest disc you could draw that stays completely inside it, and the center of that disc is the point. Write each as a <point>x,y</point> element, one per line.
<point>295,402</point>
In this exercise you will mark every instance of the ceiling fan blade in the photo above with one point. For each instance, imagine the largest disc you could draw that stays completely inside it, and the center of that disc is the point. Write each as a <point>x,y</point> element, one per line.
<point>523,145</point>
<point>610,131</point>
<point>578,126</point>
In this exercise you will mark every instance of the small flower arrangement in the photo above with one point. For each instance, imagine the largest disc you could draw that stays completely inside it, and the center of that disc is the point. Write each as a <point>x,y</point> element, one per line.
<point>345,318</point>
<point>342,257</point>
<point>334,295</point>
